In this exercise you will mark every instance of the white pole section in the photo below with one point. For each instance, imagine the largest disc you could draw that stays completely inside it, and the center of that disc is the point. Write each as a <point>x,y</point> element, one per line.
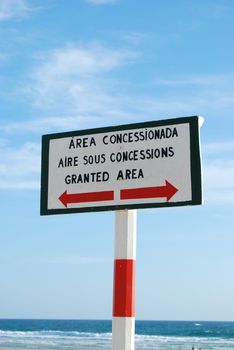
<point>123,322</point>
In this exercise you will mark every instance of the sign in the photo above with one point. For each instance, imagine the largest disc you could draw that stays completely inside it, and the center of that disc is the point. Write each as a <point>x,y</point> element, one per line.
<point>143,165</point>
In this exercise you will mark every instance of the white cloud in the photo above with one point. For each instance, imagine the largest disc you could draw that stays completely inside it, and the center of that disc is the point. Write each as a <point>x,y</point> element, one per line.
<point>206,95</point>
<point>72,260</point>
<point>80,61</point>
<point>13,8</point>
<point>62,260</point>
<point>76,87</point>
<point>199,80</point>
<point>134,37</point>
<point>70,81</point>
<point>76,94</point>
<point>47,124</point>
<point>216,148</point>
<point>19,167</point>
<point>219,172</point>
<point>74,84</point>
<point>3,57</point>
<point>101,2</point>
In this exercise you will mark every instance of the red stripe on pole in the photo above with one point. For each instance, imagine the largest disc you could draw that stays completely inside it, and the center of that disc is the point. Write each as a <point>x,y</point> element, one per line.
<point>124,288</point>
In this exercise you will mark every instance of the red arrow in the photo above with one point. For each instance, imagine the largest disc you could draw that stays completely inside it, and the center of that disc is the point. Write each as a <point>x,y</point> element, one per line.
<point>166,191</point>
<point>68,198</point>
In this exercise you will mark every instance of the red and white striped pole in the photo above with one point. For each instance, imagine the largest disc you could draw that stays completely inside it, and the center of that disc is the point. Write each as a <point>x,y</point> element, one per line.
<point>123,322</point>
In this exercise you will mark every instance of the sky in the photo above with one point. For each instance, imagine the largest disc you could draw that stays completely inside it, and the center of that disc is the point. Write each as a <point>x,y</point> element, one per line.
<point>80,64</point>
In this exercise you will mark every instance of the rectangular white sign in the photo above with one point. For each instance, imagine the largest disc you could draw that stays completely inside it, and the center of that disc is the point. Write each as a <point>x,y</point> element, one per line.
<point>151,164</point>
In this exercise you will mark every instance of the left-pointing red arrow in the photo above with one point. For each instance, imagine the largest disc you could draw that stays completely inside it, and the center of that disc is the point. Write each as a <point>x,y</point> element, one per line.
<point>69,198</point>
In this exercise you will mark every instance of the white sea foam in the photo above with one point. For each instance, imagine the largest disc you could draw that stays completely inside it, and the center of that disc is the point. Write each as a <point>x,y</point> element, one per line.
<point>55,340</point>
<point>48,340</point>
<point>178,343</point>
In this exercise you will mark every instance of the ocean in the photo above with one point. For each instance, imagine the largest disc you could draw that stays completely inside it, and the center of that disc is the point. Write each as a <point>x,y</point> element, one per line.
<point>96,335</point>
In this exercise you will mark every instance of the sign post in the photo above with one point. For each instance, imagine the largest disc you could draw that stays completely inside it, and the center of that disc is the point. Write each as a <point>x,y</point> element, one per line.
<point>123,323</point>
<point>123,168</point>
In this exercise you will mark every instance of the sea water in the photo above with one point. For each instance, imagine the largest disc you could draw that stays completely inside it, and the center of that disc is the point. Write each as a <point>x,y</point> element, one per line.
<point>86,335</point>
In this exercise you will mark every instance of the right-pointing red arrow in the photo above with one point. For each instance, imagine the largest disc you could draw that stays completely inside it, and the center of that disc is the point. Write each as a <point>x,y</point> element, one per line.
<point>166,191</point>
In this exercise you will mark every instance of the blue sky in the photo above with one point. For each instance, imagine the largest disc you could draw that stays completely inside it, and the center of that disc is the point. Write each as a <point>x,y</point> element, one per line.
<point>77,64</point>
